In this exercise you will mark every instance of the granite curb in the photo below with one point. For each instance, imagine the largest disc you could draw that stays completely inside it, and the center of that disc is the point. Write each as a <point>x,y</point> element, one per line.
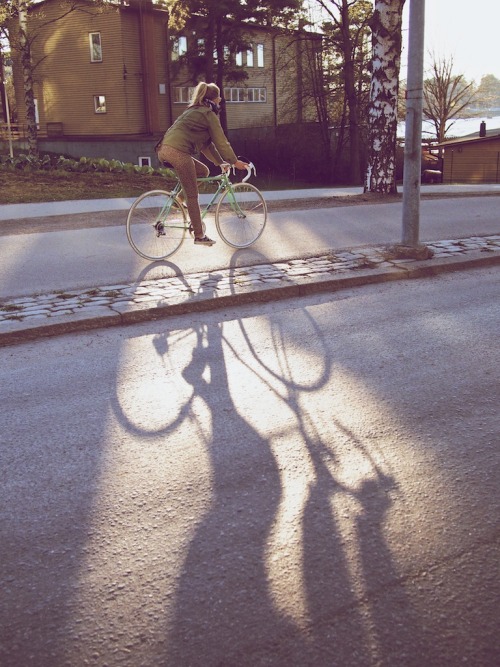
<point>31,317</point>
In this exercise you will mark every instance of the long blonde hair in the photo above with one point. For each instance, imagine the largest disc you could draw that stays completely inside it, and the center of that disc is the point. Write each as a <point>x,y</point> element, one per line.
<point>204,91</point>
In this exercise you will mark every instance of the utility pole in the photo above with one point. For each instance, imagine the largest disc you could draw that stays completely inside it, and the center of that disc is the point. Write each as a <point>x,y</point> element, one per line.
<point>413,134</point>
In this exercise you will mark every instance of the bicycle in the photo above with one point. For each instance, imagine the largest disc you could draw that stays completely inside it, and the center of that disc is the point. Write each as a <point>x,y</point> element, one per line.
<point>157,221</point>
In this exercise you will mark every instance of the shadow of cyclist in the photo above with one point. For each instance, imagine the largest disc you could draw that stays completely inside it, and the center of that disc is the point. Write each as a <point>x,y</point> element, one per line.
<point>223,596</point>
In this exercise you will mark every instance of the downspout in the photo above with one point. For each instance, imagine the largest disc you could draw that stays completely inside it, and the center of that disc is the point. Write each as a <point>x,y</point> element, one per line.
<point>275,85</point>
<point>168,71</point>
<point>300,73</point>
<point>149,82</point>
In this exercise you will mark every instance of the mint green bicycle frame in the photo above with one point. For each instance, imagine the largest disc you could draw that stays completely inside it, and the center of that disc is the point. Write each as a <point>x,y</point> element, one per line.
<point>223,183</point>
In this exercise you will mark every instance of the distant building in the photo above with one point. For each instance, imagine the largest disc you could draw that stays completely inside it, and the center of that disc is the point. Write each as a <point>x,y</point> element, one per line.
<point>474,158</point>
<point>108,78</point>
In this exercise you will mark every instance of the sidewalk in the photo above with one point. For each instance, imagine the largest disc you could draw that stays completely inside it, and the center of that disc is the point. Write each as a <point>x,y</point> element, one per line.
<point>25,211</point>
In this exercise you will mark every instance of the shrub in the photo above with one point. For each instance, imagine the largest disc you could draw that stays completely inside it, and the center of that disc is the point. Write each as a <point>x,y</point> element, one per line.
<point>84,164</point>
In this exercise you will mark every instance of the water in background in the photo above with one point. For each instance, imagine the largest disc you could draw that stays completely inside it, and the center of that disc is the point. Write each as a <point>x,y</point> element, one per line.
<point>458,128</point>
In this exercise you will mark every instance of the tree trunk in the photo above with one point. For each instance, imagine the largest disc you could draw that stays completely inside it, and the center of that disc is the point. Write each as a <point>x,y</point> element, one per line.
<point>352,99</point>
<point>382,116</point>
<point>219,46</point>
<point>27,69</point>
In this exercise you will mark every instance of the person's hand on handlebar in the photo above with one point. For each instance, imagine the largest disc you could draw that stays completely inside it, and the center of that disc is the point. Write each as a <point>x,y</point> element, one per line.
<point>239,164</point>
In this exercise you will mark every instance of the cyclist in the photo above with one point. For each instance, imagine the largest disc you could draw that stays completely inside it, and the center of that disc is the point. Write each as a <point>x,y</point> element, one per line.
<point>197,130</point>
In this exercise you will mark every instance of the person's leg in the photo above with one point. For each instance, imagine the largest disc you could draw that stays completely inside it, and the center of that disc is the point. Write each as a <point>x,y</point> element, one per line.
<point>186,170</point>
<point>202,171</point>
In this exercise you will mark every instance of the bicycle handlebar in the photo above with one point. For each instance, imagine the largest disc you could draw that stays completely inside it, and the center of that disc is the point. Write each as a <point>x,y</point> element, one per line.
<point>250,168</point>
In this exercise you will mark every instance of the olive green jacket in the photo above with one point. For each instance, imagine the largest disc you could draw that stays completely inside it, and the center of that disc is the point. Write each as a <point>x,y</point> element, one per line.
<point>198,130</point>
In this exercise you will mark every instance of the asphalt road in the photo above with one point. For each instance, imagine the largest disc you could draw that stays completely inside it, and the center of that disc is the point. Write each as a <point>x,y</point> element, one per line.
<point>306,483</point>
<point>88,257</point>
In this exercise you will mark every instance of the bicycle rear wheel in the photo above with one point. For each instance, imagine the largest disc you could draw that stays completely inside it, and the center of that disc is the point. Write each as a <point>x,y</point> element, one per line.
<point>156,225</point>
<point>241,214</point>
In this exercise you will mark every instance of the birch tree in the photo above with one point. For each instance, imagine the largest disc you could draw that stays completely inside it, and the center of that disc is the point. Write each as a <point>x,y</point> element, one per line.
<point>386,25</point>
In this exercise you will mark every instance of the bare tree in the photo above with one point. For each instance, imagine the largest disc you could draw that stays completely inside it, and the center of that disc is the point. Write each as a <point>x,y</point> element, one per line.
<point>446,95</point>
<point>386,25</point>
<point>346,29</point>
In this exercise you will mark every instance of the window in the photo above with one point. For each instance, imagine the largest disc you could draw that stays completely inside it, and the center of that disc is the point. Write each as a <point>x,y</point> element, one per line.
<point>256,94</point>
<point>250,57</point>
<point>201,46</point>
<point>245,94</point>
<point>239,58</point>
<point>95,47</point>
<point>260,55</point>
<point>179,47</point>
<point>182,94</point>
<point>234,94</point>
<point>100,103</point>
<point>144,161</point>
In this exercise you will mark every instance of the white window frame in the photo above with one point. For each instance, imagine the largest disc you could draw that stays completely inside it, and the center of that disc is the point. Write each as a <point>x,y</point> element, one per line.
<point>98,106</point>
<point>251,95</point>
<point>144,161</point>
<point>256,95</point>
<point>239,58</point>
<point>250,56</point>
<point>179,47</point>
<point>236,95</point>
<point>260,55</point>
<point>95,47</point>
<point>183,94</point>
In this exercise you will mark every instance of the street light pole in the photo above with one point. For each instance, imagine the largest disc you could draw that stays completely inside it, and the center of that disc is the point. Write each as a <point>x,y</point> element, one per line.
<point>413,130</point>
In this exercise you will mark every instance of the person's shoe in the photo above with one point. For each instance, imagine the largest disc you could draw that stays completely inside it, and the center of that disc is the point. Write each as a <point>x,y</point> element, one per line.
<point>204,241</point>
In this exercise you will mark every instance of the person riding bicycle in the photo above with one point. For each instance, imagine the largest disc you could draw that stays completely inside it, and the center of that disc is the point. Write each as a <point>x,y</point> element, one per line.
<point>197,130</point>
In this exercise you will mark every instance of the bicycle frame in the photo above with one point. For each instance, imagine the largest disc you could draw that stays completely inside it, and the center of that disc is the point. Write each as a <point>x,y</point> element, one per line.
<point>223,183</point>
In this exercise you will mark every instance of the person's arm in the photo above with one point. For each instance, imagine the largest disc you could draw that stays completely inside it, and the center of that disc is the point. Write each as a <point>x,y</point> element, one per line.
<point>219,144</point>
<point>210,152</point>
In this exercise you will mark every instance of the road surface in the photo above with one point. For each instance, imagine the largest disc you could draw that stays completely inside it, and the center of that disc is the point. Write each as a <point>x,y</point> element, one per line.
<point>304,483</point>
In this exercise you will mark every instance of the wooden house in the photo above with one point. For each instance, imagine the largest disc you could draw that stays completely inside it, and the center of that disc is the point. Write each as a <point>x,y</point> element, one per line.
<point>116,75</point>
<point>474,158</point>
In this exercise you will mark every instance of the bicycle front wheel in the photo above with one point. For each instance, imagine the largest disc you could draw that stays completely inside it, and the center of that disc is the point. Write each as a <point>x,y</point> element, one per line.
<point>241,214</point>
<point>156,225</point>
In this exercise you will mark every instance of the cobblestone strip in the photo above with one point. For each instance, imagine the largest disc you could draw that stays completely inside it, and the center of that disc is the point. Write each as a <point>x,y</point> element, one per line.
<point>116,298</point>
